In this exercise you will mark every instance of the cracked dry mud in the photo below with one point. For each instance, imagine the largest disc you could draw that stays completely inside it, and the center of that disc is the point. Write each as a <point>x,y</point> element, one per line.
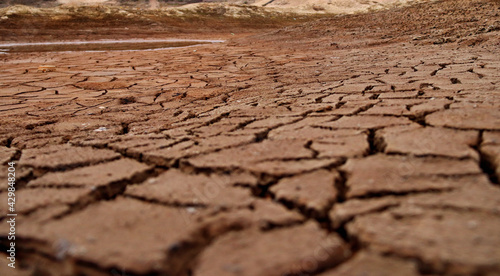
<point>353,145</point>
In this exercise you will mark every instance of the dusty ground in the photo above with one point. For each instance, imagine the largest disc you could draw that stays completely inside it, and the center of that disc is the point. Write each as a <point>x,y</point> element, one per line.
<point>353,145</point>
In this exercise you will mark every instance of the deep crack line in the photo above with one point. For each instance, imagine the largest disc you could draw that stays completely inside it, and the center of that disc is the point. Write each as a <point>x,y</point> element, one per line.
<point>486,161</point>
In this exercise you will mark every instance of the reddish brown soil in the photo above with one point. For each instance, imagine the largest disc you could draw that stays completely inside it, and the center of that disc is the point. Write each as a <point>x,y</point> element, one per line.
<point>352,145</point>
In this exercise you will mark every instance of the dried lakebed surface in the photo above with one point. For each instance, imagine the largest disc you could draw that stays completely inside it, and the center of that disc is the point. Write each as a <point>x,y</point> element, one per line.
<point>350,145</point>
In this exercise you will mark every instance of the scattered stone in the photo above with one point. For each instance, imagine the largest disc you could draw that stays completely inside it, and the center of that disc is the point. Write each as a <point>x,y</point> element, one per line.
<point>46,68</point>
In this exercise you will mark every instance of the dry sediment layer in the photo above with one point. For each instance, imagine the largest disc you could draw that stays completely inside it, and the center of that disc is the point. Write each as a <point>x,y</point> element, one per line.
<point>354,144</point>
